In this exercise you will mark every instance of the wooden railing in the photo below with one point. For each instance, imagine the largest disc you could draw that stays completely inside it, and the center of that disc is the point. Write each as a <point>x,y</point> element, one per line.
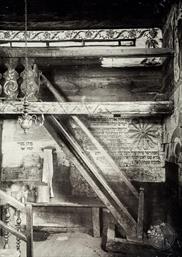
<point>7,201</point>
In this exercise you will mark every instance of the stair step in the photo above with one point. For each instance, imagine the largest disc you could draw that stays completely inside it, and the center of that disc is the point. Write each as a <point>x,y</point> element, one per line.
<point>129,247</point>
<point>114,244</point>
<point>9,253</point>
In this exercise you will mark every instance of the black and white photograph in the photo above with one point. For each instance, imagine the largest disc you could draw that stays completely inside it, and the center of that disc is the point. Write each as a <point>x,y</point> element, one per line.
<point>90,128</point>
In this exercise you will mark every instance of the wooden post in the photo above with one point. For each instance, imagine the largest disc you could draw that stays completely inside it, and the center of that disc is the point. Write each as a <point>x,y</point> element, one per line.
<point>108,228</point>
<point>96,221</point>
<point>29,229</point>
<point>140,214</point>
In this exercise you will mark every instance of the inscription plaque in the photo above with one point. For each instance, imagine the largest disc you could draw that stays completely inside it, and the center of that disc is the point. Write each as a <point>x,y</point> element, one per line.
<point>134,144</point>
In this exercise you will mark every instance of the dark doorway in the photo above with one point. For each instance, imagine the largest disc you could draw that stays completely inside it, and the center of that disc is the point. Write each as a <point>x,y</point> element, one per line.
<point>172,195</point>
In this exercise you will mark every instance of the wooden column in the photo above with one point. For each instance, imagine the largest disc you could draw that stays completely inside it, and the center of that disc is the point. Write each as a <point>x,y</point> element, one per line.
<point>29,230</point>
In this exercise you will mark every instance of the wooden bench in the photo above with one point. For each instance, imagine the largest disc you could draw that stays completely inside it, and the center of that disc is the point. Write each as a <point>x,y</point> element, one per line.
<point>95,205</point>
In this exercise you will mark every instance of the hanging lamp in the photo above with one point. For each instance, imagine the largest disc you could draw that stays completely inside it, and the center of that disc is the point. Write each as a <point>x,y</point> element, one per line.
<point>27,120</point>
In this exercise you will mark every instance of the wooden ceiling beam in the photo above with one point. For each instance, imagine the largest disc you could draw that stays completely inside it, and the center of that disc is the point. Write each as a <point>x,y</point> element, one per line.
<point>124,109</point>
<point>89,51</point>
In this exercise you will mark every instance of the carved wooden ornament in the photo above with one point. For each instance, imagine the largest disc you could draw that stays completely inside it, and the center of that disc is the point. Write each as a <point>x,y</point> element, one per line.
<point>11,86</point>
<point>29,86</point>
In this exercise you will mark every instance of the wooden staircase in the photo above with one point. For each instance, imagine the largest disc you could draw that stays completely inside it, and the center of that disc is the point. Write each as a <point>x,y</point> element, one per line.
<point>92,176</point>
<point>114,197</point>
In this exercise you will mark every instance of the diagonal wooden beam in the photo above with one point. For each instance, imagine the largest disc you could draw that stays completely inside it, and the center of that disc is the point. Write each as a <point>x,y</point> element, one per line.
<point>92,175</point>
<point>89,51</point>
<point>107,157</point>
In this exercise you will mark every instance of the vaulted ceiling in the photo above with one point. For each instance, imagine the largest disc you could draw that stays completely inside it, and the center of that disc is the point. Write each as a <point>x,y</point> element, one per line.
<point>79,14</point>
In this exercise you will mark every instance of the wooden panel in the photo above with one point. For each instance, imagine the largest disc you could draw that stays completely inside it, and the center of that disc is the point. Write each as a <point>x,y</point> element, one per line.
<point>93,83</point>
<point>85,52</point>
<point>63,218</point>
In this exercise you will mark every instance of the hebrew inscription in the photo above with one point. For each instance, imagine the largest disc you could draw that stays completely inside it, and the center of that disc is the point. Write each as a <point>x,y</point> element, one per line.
<point>135,145</point>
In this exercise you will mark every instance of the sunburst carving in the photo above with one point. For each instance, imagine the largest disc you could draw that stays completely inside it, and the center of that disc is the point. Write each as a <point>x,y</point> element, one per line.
<point>144,135</point>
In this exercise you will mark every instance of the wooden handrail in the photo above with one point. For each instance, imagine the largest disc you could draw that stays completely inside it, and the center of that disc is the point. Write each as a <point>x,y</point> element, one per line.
<point>29,230</point>
<point>13,231</point>
<point>12,201</point>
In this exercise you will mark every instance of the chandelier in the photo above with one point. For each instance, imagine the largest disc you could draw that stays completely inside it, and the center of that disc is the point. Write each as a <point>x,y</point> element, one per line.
<point>27,120</point>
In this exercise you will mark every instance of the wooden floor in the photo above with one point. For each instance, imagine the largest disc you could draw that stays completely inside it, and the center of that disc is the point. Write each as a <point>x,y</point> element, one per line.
<point>76,245</point>
<point>67,245</point>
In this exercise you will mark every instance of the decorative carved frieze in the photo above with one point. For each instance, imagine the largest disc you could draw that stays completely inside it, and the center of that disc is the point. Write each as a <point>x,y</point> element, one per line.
<point>69,35</point>
<point>134,109</point>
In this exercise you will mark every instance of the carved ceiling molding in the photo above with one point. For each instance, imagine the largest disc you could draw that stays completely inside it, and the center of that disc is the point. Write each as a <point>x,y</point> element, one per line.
<point>125,109</point>
<point>69,35</point>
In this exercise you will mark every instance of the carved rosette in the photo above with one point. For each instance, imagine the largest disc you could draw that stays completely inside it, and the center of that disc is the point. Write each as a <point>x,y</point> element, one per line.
<point>11,86</point>
<point>143,135</point>
<point>30,84</point>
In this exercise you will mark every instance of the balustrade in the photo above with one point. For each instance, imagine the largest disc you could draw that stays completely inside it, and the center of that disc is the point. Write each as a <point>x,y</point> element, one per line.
<point>13,82</point>
<point>7,219</point>
<point>9,229</point>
